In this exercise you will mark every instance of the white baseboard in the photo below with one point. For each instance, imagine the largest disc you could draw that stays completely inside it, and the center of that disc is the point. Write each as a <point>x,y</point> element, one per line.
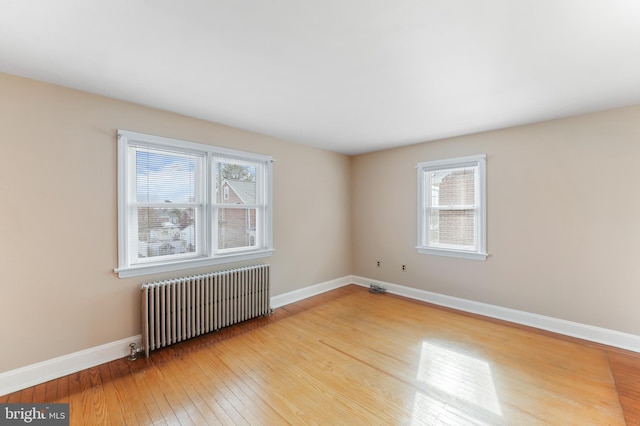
<point>605,336</point>
<point>34,374</point>
<point>303,293</point>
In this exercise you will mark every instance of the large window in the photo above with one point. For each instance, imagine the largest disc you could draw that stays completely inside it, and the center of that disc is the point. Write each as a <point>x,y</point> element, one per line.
<point>452,207</point>
<point>183,205</point>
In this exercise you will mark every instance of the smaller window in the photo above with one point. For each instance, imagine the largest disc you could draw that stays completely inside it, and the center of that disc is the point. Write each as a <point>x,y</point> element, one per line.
<point>452,207</point>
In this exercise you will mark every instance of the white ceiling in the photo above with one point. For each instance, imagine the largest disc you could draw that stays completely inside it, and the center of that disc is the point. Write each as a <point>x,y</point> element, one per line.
<point>350,76</point>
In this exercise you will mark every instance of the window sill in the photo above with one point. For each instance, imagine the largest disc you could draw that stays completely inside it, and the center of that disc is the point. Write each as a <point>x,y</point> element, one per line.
<point>139,270</point>
<point>453,253</point>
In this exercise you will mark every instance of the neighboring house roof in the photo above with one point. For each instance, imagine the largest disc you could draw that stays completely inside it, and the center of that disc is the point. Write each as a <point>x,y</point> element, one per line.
<point>245,190</point>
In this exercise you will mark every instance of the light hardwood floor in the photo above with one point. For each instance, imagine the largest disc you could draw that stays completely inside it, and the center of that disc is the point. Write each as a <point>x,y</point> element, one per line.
<point>352,357</point>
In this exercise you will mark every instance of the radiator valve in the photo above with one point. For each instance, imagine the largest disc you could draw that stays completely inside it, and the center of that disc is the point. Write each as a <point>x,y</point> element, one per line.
<point>134,352</point>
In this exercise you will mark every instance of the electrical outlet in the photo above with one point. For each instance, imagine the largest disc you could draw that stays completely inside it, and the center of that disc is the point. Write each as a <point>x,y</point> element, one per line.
<point>378,263</point>
<point>404,267</point>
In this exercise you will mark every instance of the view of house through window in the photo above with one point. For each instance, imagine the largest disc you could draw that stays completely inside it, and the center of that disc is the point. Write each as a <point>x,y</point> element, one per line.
<point>452,207</point>
<point>238,207</point>
<point>190,204</point>
<point>453,201</point>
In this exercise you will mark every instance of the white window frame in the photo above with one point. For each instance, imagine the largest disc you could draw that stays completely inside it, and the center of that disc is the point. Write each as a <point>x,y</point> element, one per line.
<point>207,229</point>
<point>480,207</point>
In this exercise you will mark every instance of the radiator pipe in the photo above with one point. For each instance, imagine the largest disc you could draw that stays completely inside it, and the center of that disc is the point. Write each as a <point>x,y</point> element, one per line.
<point>134,352</point>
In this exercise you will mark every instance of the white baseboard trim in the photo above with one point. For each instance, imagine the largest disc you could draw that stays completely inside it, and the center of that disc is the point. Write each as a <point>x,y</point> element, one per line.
<point>605,336</point>
<point>34,374</point>
<point>303,293</point>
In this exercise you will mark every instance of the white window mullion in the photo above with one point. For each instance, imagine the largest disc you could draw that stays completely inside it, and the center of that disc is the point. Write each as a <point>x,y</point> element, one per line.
<point>455,207</point>
<point>207,212</point>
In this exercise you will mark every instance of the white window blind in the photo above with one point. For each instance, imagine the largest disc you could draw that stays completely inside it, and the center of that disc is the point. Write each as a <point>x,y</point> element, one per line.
<point>167,209</point>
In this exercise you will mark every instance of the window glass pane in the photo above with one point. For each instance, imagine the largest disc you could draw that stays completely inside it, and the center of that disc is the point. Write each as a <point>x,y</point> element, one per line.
<point>165,231</point>
<point>165,177</point>
<point>236,182</point>
<point>452,228</point>
<point>236,228</point>
<point>453,187</point>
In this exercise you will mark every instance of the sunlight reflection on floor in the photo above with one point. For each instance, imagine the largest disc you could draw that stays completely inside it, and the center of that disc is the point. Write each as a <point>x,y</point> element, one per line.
<point>461,378</point>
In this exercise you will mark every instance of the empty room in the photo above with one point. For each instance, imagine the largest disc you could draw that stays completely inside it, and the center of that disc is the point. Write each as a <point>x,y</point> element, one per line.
<point>338,212</point>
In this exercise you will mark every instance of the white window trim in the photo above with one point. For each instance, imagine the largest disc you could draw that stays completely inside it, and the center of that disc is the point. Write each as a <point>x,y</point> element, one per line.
<point>481,232</point>
<point>125,269</point>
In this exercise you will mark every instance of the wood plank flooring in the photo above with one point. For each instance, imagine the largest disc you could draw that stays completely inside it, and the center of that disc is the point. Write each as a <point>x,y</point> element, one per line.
<point>352,357</point>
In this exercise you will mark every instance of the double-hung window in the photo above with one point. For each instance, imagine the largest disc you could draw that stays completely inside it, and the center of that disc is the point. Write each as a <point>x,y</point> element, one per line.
<point>184,205</point>
<point>452,207</point>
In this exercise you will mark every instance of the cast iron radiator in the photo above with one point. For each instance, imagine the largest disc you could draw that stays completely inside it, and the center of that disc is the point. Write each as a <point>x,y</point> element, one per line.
<point>182,308</point>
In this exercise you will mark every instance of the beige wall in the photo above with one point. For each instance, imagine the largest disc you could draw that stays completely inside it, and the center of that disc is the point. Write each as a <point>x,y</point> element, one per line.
<point>563,219</point>
<point>58,291</point>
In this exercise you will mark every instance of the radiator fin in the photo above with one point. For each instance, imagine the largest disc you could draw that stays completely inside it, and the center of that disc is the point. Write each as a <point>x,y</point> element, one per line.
<point>182,308</point>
